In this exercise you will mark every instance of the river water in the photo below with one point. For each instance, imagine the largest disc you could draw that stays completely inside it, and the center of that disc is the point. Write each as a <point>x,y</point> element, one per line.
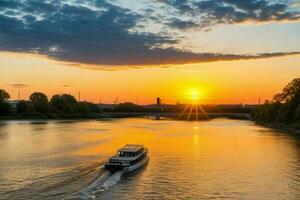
<point>217,159</point>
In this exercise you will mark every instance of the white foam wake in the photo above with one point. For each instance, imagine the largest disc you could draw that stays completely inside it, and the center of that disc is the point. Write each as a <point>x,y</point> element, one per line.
<point>103,182</point>
<point>112,180</point>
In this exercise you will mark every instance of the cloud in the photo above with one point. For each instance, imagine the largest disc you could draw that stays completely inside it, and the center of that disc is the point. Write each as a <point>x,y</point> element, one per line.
<point>171,57</point>
<point>211,12</point>
<point>66,85</point>
<point>98,32</point>
<point>19,85</point>
<point>181,24</point>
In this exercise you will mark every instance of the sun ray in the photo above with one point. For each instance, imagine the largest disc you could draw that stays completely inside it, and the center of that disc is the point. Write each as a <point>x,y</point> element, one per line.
<point>196,108</point>
<point>185,108</point>
<point>203,111</point>
<point>191,109</point>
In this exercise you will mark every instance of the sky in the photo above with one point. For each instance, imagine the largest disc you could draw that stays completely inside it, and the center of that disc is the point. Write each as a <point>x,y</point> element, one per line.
<point>228,51</point>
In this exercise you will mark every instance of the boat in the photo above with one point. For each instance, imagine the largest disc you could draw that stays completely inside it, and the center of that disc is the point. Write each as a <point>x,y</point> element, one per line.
<point>128,158</point>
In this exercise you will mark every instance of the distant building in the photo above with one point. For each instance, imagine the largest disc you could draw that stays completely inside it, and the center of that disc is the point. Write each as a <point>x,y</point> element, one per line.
<point>158,101</point>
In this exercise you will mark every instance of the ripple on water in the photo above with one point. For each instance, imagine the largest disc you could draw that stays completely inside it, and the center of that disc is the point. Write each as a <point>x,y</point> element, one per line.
<point>220,159</point>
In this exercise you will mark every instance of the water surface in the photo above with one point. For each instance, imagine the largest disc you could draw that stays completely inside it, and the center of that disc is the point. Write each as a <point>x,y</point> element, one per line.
<point>222,158</point>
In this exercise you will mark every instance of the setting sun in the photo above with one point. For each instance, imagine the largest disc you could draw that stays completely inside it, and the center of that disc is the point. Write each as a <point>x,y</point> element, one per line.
<point>195,94</point>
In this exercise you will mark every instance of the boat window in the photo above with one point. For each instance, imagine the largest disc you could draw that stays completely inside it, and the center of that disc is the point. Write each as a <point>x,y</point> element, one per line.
<point>138,159</point>
<point>130,154</point>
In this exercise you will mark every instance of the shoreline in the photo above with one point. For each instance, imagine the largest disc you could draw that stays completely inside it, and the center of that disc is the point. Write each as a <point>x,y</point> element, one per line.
<point>105,115</point>
<point>284,127</point>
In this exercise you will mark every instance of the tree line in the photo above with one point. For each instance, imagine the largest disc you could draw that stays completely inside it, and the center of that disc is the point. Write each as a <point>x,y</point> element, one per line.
<point>283,109</point>
<point>38,106</point>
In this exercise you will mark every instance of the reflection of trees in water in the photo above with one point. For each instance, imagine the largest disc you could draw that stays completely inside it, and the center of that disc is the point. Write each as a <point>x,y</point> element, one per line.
<point>39,125</point>
<point>3,130</point>
<point>294,166</point>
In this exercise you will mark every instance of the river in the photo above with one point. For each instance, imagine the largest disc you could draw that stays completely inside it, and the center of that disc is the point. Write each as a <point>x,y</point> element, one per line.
<point>217,159</point>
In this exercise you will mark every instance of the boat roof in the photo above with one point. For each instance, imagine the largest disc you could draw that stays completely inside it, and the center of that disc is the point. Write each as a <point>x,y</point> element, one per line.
<point>131,148</point>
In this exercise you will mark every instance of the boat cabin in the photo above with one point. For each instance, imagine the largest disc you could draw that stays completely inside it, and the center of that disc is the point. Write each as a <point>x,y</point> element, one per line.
<point>127,156</point>
<point>130,150</point>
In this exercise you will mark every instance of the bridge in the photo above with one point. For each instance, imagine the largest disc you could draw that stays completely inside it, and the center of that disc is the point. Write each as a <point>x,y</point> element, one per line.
<point>175,116</point>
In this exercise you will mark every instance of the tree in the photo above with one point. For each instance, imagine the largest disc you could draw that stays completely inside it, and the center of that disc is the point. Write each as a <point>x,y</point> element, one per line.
<point>38,97</point>
<point>25,107</point>
<point>83,108</point>
<point>291,92</point>
<point>297,113</point>
<point>128,107</point>
<point>86,108</point>
<point>4,108</point>
<point>285,107</point>
<point>65,103</point>
<point>40,102</point>
<point>4,95</point>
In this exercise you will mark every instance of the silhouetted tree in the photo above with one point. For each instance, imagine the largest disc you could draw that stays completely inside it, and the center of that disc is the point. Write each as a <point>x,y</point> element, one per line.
<point>86,108</point>
<point>83,108</point>
<point>65,103</point>
<point>4,95</point>
<point>297,113</point>
<point>290,93</point>
<point>128,107</point>
<point>25,107</point>
<point>40,102</point>
<point>285,107</point>
<point>4,106</point>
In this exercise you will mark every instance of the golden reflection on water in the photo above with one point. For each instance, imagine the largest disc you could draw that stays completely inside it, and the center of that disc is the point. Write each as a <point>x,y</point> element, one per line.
<point>214,159</point>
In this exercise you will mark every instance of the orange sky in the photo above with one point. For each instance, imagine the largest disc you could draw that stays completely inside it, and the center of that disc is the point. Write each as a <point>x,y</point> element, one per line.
<point>219,82</point>
<point>112,35</point>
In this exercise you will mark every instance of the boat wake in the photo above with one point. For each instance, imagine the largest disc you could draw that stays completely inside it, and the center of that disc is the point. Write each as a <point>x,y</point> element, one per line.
<point>129,158</point>
<point>102,183</point>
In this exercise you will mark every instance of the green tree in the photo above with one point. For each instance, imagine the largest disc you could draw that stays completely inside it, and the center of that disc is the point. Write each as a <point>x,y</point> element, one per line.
<point>40,102</point>
<point>4,95</point>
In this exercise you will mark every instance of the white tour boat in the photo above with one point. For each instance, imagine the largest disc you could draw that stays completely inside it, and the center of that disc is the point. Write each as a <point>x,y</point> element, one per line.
<point>129,158</point>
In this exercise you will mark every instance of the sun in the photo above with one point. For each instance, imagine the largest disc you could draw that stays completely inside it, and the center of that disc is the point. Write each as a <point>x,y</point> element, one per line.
<point>195,94</point>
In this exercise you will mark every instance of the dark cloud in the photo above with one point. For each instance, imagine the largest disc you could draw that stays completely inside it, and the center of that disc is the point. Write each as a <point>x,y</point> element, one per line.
<point>97,32</point>
<point>211,12</point>
<point>77,33</point>
<point>181,24</point>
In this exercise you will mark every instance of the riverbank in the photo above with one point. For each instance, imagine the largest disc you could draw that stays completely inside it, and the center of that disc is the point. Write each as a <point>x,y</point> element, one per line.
<point>291,128</point>
<point>45,117</point>
<point>104,115</point>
